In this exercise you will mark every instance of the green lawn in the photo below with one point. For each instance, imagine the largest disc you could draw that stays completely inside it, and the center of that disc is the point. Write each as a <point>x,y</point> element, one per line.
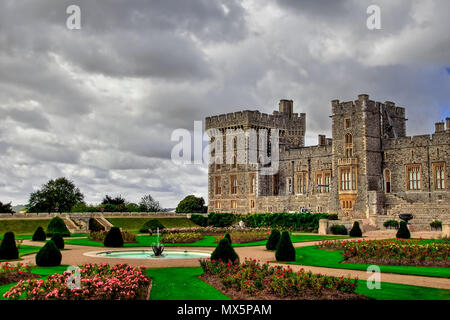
<point>22,226</point>
<point>207,241</point>
<point>134,224</point>
<point>181,284</point>
<point>313,256</point>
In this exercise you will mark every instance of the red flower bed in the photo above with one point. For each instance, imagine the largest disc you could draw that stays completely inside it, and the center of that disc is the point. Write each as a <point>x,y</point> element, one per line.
<point>396,252</point>
<point>252,279</point>
<point>12,273</point>
<point>98,282</point>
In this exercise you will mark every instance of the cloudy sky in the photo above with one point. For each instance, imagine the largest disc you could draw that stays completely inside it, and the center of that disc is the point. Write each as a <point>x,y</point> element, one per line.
<point>98,105</point>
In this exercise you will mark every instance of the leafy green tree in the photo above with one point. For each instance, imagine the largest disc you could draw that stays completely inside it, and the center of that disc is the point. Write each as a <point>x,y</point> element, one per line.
<point>115,201</point>
<point>6,208</point>
<point>191,204</point>
<point>148,204</point>
<point>61,193</point>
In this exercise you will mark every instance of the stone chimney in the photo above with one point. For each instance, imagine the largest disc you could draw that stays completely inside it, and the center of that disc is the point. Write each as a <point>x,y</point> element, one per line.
<point>439,127</point>
<point>322,140</point>
<point>447,125</point>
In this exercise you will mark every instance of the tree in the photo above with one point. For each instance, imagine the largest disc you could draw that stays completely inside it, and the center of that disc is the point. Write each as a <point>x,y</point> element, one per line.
<point>356,230</point>
<point>285,248</point>
<point>273,240</point>
<point>8,248</point>
<point>148,204</point>
<point>61,193</point>
<point>225,252</point>
<point>49,255</point>
<point>6,208</point>
<point>114,201</point>
<point>191,204</point>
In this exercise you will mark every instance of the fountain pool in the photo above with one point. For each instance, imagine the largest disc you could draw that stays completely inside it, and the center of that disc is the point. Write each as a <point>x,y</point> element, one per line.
<point>148,254</point>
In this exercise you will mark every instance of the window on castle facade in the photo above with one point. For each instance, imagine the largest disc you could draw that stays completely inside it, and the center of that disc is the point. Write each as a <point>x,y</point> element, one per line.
<point>347,179</point>
<point>323,180</point>
<point>413,175</point>
<point>233,184</point>
<point>252,204</point>
<point>348,145</point>
<point>301,182</point>
<point>288,185</point>
<point>252,183</point>
<point>327,182</point>
<point>217,204</point>
<point>233,204</point>
<point>347,123</point>
<point>218,185</point>
<point>439,175</point>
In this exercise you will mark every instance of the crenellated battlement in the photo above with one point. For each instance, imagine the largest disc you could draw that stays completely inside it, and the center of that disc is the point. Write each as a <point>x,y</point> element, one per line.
<point>422,140</point>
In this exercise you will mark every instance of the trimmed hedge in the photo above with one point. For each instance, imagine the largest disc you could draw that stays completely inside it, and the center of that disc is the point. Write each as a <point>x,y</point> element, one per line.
<point>227,236</point>
<point>39,235</point>
<point>152,224</point>
<point>225,252</point>
<point>338,229</point>
<point>285,248</point>
<point>113,238</point>
<point>95,226</point>
<point>403,231</point>
<point>58,240</point>
<point>391,224</point>
<point>200,220</point>
<point>307,222</point>
<point>8,248</point>
<point>356,230</point>
<point>49,255</point>
<point>221,220</point>
<point>273,240</point>
<point>57,225</point>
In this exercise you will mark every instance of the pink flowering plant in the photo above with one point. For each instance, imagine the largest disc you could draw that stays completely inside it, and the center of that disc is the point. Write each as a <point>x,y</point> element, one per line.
<point>252,277</point>
<point>396,251</point>
<point>98,282</point>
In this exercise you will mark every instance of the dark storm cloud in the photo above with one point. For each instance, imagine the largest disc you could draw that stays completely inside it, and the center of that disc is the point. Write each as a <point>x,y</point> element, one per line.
<point>99,105</point>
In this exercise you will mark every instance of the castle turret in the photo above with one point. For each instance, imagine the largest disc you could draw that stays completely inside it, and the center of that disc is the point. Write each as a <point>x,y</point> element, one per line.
<point>286,106</point>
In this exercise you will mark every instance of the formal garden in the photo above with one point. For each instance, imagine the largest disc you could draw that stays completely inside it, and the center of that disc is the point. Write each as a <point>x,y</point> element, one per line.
<point>214,256</point>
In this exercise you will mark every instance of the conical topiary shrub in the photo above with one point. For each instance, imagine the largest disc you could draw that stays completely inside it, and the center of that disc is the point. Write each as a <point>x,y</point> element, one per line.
<point>49,255</point>
<point>227,236</point>
<point>285,249</point>
<point>225,252</point>
<point>58,240</point>
<point>57,225</point>
<point>8,248</point>
<point>39,234</point>
<point>403,231</point>
<point>114,238</point>
<point>273,240</point>
<point>356,230</point>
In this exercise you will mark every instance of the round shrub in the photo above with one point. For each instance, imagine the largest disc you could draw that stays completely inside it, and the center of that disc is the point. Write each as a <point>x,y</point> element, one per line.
<point>39,234</point>
<point>114,238</point>
<point>227,236</point>
<point>436,224</point>
<point>95,226</point>
<point>152,225</point>
<point>225,252</point>
<point>273,240</point>
<point>8,248</point>
<point>58,240</point>
<point>391,224</point>
<point>57,225</point>
<point>338,229</point>
<point>285,248</point>
<point>403,231</point>
<point>356,230</point>
<point>49,255</point>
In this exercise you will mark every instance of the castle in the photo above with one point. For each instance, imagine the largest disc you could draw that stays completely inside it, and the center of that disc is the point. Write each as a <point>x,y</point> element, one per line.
<point>369,169</point>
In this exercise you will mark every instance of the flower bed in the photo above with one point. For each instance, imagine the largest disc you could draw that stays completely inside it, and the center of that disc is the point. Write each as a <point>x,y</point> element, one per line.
<point>244,236</point>
<point>12,273</point>
<point>186,237</point>
<point>101,235</point>
<point>392,252</point>
<point>211,231</point>
<point>98,282</point>
<point>252,280</point>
